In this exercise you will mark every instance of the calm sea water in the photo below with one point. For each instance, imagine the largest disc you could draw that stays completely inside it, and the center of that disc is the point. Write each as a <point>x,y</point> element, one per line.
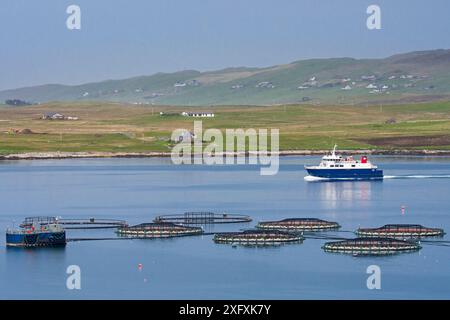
<point>195,267</point>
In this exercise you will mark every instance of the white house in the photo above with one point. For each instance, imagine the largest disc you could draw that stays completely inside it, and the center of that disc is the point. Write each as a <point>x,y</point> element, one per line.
<point>368,77</point>
<point>57,116</point>
<point>198,114</point>
<point>185,136</point>
<point>53,116</point>
<point>371,86</point>
<point>347,87</point>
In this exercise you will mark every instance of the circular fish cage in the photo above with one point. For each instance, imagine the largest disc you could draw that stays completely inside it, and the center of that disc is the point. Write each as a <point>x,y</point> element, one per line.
<point>371,246</point>
<point>158,230</point>
<point>203,218</point>
<point>400,231</point>
<point>298,224</point>
<point>257,237</point>
<point>92,223</point>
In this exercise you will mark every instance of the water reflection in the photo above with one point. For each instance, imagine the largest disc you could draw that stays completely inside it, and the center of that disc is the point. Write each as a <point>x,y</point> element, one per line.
<point>34,257</point>
<point>338,194</point>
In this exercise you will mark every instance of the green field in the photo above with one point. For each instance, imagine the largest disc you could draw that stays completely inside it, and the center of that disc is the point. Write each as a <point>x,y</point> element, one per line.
<point>115,127</point>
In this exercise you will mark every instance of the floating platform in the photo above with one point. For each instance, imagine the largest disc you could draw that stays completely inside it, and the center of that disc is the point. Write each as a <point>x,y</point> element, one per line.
<point>371,246</point>
<point>92,223</point>
<point>400,231</point>
<point>158,230</point>
<point>37,232</point>
<point>203,218</point>
<point>298,224</point>
<point>258,237</point>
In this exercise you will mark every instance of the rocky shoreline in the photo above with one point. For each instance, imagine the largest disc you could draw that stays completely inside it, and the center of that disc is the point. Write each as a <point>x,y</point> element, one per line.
<point>86,155</point>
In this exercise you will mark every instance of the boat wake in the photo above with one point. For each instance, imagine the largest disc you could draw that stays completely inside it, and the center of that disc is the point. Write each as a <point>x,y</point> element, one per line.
<point>446,176</point>
<point>312,178</point>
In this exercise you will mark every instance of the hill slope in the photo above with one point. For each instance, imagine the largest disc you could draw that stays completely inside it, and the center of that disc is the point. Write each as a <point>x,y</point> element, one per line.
<point>415,76</point>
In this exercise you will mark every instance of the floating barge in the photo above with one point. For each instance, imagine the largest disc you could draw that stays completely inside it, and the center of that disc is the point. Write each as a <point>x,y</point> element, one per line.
<point>203,218</point>
<point>400,231</point>
<point>37,232</point>
<point>257,237</point>
<point>298,224</point>
<point>158,230</point>
<point>371,246</point>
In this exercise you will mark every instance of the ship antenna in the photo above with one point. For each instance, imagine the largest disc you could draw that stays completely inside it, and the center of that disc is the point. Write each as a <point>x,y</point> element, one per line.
<point>334,150</point>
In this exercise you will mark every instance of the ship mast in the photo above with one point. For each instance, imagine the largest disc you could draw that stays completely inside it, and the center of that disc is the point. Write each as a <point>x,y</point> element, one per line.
<point>333,153</point>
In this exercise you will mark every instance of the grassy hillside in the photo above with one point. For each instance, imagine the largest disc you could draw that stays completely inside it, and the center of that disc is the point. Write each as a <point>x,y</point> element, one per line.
<point>120,127</point>
<point>411,77</point>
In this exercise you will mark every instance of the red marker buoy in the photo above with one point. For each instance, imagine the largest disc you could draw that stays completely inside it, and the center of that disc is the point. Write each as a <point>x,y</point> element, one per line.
<point>140,266</point>
<point>403,209</point>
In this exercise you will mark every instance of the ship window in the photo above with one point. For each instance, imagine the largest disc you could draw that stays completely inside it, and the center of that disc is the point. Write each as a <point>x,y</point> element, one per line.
<point>332,166</point>
<point>353,165</point>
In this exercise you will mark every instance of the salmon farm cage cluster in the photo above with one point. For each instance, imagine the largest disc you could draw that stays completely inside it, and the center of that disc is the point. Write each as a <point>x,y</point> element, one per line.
<point>203,218</point>
<point>158,230</point>
<point>400,231</point>
<point>386,240</point>
<point>258,237</point>
<point>298,224</point>
<point>371,246</point>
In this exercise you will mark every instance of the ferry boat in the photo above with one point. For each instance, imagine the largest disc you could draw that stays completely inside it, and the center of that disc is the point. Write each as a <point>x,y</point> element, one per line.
<point>37,232</point>
<point>335,166</point>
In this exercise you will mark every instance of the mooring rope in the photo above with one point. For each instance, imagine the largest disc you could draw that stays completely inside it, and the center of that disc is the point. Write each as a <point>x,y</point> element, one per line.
<point>325,237</point>
<point>93,239</point>
<point>438,243</point>
<point>345,231</point>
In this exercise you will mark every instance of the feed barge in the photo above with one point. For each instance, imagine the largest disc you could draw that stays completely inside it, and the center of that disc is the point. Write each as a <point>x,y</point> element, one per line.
<point>298,224</point>
<point>400,231</point>
<point>371,246</point>
<point>158,230</point>
<point>258,237</point>
<point>37,232</point>
<point>203,218</point>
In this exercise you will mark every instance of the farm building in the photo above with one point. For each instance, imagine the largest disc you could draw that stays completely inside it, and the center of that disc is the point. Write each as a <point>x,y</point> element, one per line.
<point>53,116</point>
<point>198,114</point>
<point>57,116</point>
<point>185,136</point>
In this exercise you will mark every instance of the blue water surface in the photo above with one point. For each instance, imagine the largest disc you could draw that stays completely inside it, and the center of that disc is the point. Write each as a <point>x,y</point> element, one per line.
<point>137,190</point>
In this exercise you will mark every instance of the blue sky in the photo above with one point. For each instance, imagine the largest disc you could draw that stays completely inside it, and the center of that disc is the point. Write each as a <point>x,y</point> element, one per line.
<point>123,38</point>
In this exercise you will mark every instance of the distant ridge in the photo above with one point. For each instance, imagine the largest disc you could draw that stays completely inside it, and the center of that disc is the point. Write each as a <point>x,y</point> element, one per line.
<point>413,76</point>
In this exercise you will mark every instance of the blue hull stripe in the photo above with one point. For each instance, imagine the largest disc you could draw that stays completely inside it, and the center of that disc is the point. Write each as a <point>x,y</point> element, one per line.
<point>346,173</point>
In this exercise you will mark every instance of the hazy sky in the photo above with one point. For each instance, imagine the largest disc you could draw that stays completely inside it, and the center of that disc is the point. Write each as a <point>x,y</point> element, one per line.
<point>123,38</point>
